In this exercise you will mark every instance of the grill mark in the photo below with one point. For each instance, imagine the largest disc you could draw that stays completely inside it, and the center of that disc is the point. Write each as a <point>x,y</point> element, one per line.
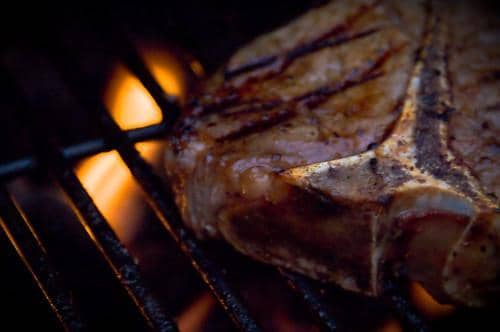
<point>313,98</point>
<point>266,121</point>
<point>317,97</point>
<point>284,61</point>
<point>494,107</point>
<point>229,96</point>
<point>355,77</point>
<point>487,77</point>
<point>218,104</point>
<point>262,106</point>
<point>224,106</point>
<point>250,66</point>
<point>309,99</point>
<point>491,76</point>
<point>313,47</point>
<point>282,65</point>
<point>286,58</point>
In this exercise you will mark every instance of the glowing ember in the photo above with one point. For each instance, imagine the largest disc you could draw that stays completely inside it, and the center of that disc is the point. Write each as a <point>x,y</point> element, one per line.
<point>197,68</point>
<point>426,304</point>
<point>391,325</point>
<point>195,316</point>
<point>105,176</point>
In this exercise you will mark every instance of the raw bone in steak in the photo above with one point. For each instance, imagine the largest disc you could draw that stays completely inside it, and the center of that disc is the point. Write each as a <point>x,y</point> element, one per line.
<point>357,144</point>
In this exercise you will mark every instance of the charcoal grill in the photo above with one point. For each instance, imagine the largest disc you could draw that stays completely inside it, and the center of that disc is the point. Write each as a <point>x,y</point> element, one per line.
<point>55,160</point>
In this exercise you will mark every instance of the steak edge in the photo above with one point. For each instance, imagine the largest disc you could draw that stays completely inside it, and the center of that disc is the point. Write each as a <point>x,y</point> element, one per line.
<point>339,146</point>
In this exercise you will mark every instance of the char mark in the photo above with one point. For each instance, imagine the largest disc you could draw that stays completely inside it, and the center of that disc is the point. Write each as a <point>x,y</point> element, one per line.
<point>318,96</point>
<point>264,122</point>
<point>229,100</point>
<point>252,108</point>
<point>337,35</point>
<point>250,66</point>
<point>316,46</point>
<point>313,98</point>
<point>276,111</point>
<point>493,107</point>
<point>309,99</point>
<point>285,59</point>
<point>356,77</point>
<point>491,76</point>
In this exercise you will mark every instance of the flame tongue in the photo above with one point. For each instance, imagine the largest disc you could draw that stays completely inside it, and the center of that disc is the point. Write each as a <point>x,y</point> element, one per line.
<point>105,176</point>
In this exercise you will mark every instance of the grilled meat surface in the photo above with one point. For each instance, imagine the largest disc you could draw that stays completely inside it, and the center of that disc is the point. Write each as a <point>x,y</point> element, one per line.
<point>357,144</point>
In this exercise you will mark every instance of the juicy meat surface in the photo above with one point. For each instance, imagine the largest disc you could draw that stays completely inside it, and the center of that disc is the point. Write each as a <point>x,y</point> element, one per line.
<point>357,143</point>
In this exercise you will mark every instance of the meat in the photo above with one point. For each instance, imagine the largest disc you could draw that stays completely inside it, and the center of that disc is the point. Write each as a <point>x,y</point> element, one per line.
<point>357,144</point>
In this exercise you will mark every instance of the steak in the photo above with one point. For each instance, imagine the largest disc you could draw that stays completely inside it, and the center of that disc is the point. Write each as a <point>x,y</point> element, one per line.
<point>358,144</point>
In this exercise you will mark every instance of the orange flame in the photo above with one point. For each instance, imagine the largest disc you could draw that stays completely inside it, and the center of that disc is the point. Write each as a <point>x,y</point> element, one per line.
<point>391,325</point>
<point>105,176</point>
<point>426,304</point>
<point>195,316</point>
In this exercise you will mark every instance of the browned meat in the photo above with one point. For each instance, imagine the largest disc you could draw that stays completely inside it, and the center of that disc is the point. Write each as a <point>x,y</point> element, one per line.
<point>358,143</point>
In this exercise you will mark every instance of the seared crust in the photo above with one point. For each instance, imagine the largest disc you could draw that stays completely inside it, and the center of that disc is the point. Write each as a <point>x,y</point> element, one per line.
<point>326,150</point>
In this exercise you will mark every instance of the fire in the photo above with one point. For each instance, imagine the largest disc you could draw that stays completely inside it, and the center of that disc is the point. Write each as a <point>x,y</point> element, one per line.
<point>195,316</point>
<point>426,304</point>
<point>391,325</point>
<point>105,176</point>
<point>130,103</point>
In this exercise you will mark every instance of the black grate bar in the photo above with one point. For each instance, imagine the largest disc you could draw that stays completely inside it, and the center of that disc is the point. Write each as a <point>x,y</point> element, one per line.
<point>165,209</point>
<point>312,298</point>
<point>116,255</point>
<point>75,152</point>
<point>91,219</point>
<point>157,195</point>
<point>34,257</point>
<point>404,310</point>
<point>122,38</point>
<point>168,105</point>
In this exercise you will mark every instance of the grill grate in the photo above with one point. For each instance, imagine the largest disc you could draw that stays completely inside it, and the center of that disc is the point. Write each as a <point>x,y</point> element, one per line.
<point>34,256</point>
<point>57,160</point>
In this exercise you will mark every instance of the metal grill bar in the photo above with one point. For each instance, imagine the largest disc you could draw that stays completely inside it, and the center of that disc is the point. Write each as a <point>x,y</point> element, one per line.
<point>158,198</point>
<point>110,247</point>
<point>163,205</point>
<point>94,223</point>
<point>168,104</point>
<point>311,298</point>
<point>34,256</point>
<point>75,152</point>
<point>403,309</point>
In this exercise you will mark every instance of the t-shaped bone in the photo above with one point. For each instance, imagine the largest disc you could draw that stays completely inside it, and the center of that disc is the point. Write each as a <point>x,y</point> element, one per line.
<point>413,176</point>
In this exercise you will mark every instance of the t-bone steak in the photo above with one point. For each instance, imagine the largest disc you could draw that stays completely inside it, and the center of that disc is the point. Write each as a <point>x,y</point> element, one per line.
<point>357,144</point>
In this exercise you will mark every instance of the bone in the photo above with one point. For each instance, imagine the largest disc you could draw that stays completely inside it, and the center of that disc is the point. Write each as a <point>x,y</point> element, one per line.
<point>413,174</point>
